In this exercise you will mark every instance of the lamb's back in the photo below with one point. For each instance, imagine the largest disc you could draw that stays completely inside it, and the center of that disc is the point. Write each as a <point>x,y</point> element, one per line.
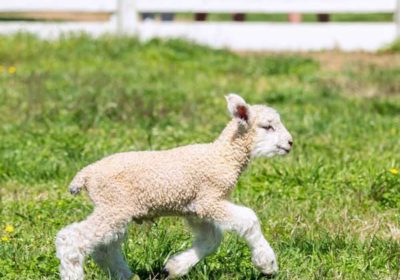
<point>155,178</point>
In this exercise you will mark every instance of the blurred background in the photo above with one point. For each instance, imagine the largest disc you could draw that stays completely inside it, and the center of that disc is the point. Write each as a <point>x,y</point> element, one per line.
<point>80,80</point>
<point>240,25</point>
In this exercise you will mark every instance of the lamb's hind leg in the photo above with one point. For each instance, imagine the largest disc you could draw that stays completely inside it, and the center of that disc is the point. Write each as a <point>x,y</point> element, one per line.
<point>109,257</point>
<point>77,240</point>
<point>207,239</point>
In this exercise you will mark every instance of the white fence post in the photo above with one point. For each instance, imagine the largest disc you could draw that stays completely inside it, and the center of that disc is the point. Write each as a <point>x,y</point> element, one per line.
<point>397,19</point>
<point>126,17</point>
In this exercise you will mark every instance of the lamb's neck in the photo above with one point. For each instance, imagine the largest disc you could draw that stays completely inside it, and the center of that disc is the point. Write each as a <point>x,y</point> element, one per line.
<point>235,146</point>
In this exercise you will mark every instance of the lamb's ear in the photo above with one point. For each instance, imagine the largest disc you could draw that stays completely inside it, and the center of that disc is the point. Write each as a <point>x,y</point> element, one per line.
<point>238,107</point>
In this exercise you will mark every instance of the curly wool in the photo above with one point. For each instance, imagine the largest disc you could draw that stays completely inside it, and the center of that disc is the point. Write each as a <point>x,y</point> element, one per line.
<point>180,181</point>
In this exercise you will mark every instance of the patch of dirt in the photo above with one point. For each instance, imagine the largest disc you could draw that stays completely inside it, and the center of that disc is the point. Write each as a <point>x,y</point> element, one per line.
<point>359,74</point>
<point>336,61</point>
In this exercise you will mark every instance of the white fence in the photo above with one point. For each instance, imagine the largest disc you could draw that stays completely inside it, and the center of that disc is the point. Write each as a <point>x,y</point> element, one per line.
<point>243,36</point>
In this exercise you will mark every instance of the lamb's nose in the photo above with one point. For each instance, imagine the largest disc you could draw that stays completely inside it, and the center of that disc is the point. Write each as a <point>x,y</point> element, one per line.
<point>290,143</point>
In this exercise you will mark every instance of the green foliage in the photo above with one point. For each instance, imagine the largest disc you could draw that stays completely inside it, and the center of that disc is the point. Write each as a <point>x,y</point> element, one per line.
<point>330,209</point>
<point>386,190</point>
<point>393,47</point>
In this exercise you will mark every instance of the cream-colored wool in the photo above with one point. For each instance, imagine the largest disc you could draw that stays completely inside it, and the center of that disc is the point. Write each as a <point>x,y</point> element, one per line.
<point>193,181</point>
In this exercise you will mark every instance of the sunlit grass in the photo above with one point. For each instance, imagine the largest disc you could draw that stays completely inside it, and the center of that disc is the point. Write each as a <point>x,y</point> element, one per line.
<point>330,209</point>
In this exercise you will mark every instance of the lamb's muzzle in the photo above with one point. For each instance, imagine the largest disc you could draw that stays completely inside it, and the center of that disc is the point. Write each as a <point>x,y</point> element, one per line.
<point>193,181</point>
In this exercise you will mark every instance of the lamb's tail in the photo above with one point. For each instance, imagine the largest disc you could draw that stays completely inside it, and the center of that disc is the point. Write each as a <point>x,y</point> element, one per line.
<point>79,182</point>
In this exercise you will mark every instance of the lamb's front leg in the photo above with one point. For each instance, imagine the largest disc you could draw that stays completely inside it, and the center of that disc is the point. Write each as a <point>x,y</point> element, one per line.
<point>244,222</point>
<point>207,239</point>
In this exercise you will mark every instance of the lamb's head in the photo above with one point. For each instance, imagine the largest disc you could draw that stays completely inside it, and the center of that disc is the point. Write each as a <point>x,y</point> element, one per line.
<point>270,136</point>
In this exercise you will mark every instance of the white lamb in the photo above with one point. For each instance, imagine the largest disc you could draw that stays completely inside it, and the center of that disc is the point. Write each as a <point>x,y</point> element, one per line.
<point>193,181</point>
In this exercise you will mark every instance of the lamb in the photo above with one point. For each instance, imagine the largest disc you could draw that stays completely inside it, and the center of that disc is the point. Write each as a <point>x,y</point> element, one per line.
<point>192,181</point>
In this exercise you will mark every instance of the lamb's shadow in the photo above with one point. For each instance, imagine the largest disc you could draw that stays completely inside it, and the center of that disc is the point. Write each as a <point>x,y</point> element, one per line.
<point>160,274</point>
<point>155,274</point>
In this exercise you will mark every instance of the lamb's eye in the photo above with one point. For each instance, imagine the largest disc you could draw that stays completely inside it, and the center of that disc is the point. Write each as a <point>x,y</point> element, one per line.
<point>269,128</point>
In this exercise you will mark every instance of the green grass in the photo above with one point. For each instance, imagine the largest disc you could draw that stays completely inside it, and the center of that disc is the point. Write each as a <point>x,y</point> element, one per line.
<point>394,47</point>
<point>330,209</point>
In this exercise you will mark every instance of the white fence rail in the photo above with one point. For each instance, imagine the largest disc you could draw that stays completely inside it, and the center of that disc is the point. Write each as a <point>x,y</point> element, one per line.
<point>243,36</point>
<point>268,6</point>
<point>57,6</point>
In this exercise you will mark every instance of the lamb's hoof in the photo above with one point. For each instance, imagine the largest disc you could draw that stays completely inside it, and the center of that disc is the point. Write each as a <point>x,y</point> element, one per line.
<point>177,266</point>
<point>268,275</point>
<point>265,262</point>
<point>74,191</point>
<point>164,273</point>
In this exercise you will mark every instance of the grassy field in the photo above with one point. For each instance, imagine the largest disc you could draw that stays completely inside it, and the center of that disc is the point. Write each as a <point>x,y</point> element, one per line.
<point>330,209</point>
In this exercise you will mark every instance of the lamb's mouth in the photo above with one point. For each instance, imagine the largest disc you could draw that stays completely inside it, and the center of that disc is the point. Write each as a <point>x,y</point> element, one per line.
<point>282,148</point>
